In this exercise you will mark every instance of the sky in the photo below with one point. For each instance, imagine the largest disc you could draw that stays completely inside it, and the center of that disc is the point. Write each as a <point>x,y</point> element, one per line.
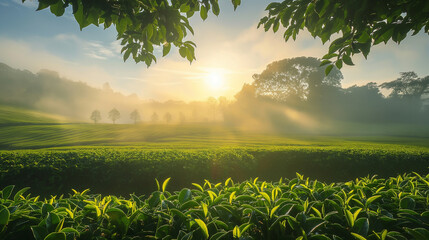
<point>230,49</point>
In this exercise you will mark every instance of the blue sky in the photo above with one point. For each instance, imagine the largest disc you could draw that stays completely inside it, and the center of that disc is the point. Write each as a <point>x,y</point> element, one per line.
<point>228,46</point>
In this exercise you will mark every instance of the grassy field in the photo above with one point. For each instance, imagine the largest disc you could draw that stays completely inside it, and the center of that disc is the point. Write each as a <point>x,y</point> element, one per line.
<point>52,157</point>
<point>26,129</point>
<point>40,151</point>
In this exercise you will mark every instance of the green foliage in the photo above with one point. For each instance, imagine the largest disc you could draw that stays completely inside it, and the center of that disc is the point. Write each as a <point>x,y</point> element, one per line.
<point>298,208</point>
<point>299,78</point>
<point>141,25</point>
<point>356,25</point>
<point>125,170</point>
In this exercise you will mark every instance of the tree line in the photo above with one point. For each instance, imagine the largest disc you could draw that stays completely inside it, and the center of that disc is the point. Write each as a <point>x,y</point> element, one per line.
<point>300,84</point>
<point>115,115</point>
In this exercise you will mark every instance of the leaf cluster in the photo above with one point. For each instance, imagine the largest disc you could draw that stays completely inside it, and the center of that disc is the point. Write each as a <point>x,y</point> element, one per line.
<point>298,208</point>
<point>142,25</point>
<point>355,25</point>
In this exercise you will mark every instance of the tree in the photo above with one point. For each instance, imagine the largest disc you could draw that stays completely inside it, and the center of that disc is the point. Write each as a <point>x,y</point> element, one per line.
<point>297,78</point>
<point>154,118</point>
<point>356,25</point>
<point>135,116</point>
<point>168,117</point>
<point>408,86</point>
<point>95,116</point>
<point>114,115</point>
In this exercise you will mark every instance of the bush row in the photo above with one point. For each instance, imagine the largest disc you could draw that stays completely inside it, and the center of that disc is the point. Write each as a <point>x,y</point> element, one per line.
<point>116,171</point>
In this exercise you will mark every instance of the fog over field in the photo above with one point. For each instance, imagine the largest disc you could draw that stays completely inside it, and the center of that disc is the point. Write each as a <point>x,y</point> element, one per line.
<point>313,104</point>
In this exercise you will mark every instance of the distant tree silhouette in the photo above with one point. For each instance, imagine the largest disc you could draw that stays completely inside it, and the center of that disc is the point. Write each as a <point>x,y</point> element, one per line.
<point>297,78</point>
<point>95,116</point>
<point>154,117</point>
<point>135,116</point>
<point>114,115</point>
<point>168,117</point>
<point>408,86</point>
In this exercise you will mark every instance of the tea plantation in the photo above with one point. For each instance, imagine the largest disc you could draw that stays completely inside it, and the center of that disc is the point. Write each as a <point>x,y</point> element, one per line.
<point>368,186</point>
<point>299,208</point>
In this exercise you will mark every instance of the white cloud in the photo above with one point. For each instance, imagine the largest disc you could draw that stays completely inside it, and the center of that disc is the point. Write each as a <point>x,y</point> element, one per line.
<point>93,49</point>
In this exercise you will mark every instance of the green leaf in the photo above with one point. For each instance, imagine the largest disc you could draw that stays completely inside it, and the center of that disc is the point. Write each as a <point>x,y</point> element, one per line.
<point>52,221</point>
<point>185,195</point>
<point>39,232</point>
<point>339,64</point>
<point>418,233</point>
<point>121,25</point>
<point>198,186</point>
<point>42,5</point>
<point>7,191</point>
<point>328,69</point>
<point>58,8</point>
<point>407,203</point>
<point>19,194</point>
<point>79,16</point>
<point>266,196</point>
<point>185,8</point>
<point>46,208</point>
<point>164,184</point>
<point>203,12</point>
<point>357,236</point>
<point>215,7</point>
<point>127,54</point>
<point>56,236</point>
<point>236,3</point>
<point>364,37</point>
<point>70,230</point>
<point>117,217</point>
<point>183,51</point>
<point>203,227</point>
<point>361,226</point>
<point>4,215</point>
<point>166,49</point>
<point>236,232</point>
<point>157,184</point>
<point>347,60</point>
<point>325,62</point>
<point>349,217</point>
<point>371,199</point>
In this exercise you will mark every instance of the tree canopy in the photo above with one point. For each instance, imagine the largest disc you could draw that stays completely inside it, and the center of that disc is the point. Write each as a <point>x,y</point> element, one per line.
<point>141,24</point>
<point>408,85</point>
<point>355,25</point>
<point>95,116</point>
<point>114,115</point>
<point>297,78</point>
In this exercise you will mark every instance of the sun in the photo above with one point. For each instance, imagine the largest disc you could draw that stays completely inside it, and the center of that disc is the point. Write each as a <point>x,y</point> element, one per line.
<point>215,80</point>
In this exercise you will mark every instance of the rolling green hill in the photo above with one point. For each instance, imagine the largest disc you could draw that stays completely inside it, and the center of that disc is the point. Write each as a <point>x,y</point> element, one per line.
<point>10,115</point>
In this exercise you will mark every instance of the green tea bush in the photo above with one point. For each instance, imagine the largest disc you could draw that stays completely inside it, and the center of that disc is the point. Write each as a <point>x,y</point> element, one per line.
<point>299,208</point>
<point>123,171</point>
